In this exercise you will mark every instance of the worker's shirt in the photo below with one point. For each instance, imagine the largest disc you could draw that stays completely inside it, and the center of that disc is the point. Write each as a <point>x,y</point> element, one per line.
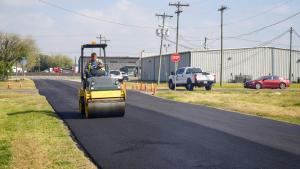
<point>94,65</point>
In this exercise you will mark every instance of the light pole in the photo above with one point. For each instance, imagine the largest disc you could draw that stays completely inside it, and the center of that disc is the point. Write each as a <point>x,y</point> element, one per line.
<point>221,65</point>
<point>290,59</point>
<point>298,78</point>
<point>166,45</point>
<point>141,64</point>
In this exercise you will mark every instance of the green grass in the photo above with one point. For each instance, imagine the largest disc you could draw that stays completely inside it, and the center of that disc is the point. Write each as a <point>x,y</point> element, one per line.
<point>164,85</point>
<point>229,85</point>
<point>283,105</point>
<point>32,136</point>
<point>20,84</point>
<point>5,153</point>
<point>295,86</point>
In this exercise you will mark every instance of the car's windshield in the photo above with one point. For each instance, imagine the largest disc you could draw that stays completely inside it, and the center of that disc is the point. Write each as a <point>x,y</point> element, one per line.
<point>114,72</point>
<point>262,78</point>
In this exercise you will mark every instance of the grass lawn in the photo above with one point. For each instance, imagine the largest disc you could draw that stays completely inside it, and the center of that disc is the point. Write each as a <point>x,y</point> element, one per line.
<point>129,85</point>
<point>31,135</point>
<point>283,105</point>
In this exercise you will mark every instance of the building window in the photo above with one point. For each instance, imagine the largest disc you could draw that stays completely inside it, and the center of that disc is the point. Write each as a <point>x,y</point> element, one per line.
<point>113,61</point>
<point>131,62</point>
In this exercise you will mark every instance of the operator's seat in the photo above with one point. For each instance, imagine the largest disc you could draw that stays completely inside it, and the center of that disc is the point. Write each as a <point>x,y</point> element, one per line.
<point>96,73</point>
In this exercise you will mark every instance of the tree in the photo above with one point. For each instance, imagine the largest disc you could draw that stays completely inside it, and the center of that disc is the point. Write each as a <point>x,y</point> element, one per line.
<point>61,61</point>
<point>12,49</point>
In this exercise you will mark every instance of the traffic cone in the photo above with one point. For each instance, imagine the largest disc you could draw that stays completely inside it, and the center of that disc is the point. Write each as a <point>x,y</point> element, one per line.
<point>8,85</point>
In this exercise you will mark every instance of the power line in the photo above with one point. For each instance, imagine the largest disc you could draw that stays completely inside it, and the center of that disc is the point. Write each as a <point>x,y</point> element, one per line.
<point>183,46</point>
<point>238,21</point>
<point>92,17</point>
<point>265,27</point>
<point>187,41</point>
<point>296,34</point>
<point>249,57</point>
<point>258,14</point>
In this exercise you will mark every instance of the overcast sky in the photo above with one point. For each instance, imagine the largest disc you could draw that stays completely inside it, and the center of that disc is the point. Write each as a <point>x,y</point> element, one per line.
<point>59,31</point>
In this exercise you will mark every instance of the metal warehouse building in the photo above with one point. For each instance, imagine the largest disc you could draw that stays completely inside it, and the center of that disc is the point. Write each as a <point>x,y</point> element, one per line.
<point>243,62</point>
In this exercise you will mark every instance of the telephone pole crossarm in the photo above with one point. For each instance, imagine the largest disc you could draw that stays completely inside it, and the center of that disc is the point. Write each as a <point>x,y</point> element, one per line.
<point>179,10</point>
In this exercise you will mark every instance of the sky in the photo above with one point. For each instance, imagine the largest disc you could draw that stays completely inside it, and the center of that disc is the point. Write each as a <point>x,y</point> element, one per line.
<point>59,31</point>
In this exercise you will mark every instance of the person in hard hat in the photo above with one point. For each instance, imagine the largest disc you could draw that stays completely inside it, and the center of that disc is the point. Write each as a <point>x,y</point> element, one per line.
<point>95,67</point>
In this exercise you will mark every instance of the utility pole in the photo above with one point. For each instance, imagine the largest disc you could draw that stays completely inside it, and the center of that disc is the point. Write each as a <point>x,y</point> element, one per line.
<point>141,64</point>
<point>205,43</point>
<point>221,68</point>
<point>178,5</point>
<point>166,46</point>
<point>100,37</point>
<point>290,61</point>
<point>105,41</point>
<point>162,35</point>
<point>75,64</point>
<point>39,59</point>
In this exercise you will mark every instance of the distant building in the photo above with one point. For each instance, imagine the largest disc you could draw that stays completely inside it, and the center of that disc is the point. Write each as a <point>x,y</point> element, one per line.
<point>237,63</point>
<point>18,69</point>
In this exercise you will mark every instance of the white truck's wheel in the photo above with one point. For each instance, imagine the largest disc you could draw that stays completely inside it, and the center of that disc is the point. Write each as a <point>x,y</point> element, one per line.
<point>189,85</point>
<point>171,85</point>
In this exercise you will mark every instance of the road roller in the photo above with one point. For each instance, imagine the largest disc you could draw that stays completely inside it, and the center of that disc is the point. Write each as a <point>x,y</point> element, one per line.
<point>100,95</point>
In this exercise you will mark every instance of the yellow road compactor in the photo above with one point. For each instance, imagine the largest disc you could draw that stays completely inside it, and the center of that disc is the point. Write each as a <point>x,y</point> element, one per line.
<point>100,95</point>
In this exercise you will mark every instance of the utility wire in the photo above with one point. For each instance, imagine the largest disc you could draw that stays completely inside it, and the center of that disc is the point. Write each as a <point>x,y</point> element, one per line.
<point>255,54</point>
<point>296,34</point>
<point>186,47</point>
<point>258,14</point>
<point>262,28</point>
<point>265,27</point>
<point>249,17</point>
<point>94,18</point>
<point>250,40</point>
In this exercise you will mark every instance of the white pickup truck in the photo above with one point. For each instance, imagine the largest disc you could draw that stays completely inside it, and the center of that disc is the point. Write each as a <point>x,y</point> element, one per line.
<point>191,77</point>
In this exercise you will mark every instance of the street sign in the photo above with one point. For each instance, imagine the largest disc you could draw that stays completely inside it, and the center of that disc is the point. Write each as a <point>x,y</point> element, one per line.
<point>23,62</point>
<point>175,57</point>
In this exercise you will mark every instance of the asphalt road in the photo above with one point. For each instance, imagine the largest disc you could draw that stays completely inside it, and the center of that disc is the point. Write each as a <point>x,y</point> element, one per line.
<point>160,134</point>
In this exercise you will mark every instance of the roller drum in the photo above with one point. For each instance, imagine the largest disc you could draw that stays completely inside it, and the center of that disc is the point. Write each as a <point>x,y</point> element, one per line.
<point>106,108</point>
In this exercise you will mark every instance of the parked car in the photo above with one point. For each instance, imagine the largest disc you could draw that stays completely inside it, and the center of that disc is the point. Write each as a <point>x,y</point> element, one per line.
<point>270,82</point>
<point>191,77</point>
<point>57,70</point>
<point>116,74</point>
<point>130,70</point>
<point>125,76</point>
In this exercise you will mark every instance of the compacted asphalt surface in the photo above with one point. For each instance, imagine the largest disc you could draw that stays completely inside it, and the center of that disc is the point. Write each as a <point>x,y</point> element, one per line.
<point>161,134</point>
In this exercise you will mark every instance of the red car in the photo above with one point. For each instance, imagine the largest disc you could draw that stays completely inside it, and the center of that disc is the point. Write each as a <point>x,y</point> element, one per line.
<point>270,82</point>
<point>57,70</point>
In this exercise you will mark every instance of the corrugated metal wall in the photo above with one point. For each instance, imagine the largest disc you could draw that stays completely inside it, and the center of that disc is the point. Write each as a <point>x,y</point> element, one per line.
<point>249,61</point>
<point>150,66</point>
<point>255,62</point>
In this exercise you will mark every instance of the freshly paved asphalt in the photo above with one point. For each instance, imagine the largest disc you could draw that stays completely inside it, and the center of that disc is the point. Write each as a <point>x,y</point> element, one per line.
<point>160,134</point>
